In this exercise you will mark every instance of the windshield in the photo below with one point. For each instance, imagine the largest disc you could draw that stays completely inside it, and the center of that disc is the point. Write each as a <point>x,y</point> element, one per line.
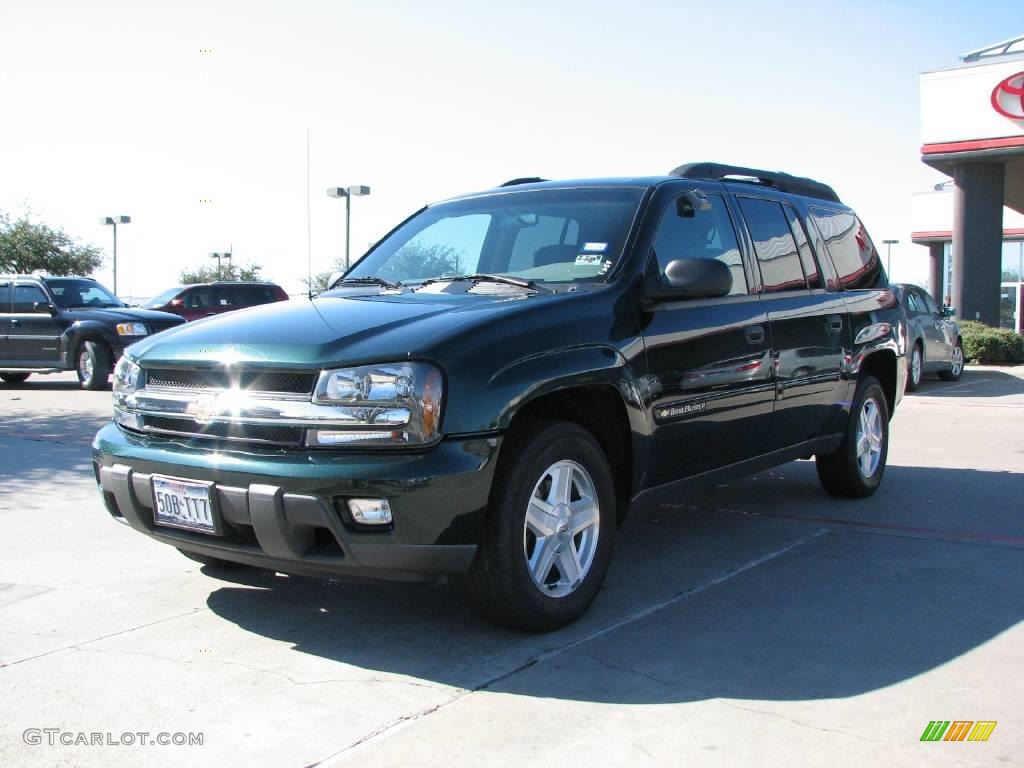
<point>162,298</point>
<point>547,236</point>
<point>81,293</point>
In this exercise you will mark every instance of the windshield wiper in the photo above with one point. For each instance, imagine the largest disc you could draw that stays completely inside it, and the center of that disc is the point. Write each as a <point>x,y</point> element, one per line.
<point>368,280</point>
<point>480,276</point>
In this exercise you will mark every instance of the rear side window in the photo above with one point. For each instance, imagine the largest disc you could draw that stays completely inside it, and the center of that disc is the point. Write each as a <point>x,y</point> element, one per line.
<point>25,297</point>
<point>807,260</point>
<point>774,245</point>
<point>853,254</point>
<point>687,233</point>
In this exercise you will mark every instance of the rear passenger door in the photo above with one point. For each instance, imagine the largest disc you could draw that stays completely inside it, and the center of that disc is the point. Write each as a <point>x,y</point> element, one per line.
<point>809,327</point>
<point>709,388</point>
<point>937,330</point>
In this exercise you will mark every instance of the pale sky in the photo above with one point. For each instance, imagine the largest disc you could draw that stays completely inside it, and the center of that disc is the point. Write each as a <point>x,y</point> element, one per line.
<point>114,108</point>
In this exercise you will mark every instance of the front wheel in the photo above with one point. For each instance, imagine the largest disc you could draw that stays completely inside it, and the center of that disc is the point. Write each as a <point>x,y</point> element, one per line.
<point>956,364</point>
<point>855,470</point>
<point>550,524</point>
<point>92,365</point>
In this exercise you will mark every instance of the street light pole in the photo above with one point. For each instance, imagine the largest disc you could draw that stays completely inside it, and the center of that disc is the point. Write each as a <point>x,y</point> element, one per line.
<point>348,193</point>
<point>113,221</point>
<point>218,257</point>
<point>888,253</point>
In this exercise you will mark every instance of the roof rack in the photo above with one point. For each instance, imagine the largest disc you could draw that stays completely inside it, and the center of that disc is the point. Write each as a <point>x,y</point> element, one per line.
<point>797,185</point>
<point>523,180</point>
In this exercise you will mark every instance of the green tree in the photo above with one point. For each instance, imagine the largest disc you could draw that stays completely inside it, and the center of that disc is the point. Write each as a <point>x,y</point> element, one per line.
<point>418,261</point>
<point>26,245</point>
<point>207,273</point>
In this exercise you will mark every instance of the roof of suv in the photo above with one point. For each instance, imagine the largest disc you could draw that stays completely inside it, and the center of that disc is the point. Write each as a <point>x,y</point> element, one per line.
<point>704,171</point>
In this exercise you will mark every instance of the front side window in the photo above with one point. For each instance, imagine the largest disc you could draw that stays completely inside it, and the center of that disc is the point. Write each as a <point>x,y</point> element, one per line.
<point>776,250</point>
<point>548,236</point>
<point>700,232</point>
<point>26,296</point>
<point>850,247</point>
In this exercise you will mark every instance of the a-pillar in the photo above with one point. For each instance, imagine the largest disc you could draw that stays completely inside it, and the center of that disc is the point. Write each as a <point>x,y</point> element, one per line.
<point>977,240</point>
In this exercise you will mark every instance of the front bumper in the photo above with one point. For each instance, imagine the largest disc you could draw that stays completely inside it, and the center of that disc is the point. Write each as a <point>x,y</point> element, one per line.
<point>285,510</point>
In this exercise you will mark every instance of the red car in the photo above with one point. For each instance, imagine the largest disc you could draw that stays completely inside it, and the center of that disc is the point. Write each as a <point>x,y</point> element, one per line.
<point>204,299</point>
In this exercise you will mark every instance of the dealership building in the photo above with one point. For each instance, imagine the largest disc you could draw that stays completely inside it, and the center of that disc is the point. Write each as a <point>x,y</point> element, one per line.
<point>972,129</point>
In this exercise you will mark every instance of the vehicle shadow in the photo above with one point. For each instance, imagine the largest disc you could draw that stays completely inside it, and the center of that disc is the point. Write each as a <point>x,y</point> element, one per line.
<point>987,383</point>
<point>65,425</point>
<point>844,611</point>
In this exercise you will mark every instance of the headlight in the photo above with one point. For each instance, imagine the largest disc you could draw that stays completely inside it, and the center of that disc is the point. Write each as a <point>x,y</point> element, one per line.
<point>395,404</point>
<point>127,379</point>
<point>131,329</point>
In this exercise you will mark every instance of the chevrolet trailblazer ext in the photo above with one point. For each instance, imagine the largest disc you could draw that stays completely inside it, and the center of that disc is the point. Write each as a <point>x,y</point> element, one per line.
<point>489,390</point>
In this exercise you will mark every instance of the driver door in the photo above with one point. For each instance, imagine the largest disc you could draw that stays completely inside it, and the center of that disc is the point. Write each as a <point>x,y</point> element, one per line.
<point>34,336</point>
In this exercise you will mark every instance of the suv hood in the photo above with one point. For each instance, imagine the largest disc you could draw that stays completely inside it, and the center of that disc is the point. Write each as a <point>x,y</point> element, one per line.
<point>122,314</point>
<point>326,331</point>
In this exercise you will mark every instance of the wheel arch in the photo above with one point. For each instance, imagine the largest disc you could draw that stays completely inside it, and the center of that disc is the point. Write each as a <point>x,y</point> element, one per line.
<point>882,364</point>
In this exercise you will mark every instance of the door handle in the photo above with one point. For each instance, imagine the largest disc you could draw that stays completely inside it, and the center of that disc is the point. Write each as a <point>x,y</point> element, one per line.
<point>15,321</point>
<point>754,334</point>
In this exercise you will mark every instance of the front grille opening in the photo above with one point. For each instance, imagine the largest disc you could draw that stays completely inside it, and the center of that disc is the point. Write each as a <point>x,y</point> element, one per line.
<point>253,381</point>
<point>325,544</point>
<point>254,433</point>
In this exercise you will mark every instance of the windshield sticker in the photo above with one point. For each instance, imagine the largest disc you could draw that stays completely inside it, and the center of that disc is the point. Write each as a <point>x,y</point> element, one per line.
<point>595,247</point>
<point>587,259</point>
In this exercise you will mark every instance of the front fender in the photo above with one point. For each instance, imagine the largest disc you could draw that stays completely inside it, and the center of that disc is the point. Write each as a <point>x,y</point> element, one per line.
<point>88,329</point>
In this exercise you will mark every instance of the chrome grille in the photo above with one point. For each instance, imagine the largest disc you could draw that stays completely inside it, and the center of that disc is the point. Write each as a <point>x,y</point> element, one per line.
<point>253,381</point>
<point>252,433</point>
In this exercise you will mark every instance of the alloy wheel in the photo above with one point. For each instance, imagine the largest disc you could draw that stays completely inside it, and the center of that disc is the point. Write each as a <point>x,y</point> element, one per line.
<point>561,529</point>
<point>869,438</point>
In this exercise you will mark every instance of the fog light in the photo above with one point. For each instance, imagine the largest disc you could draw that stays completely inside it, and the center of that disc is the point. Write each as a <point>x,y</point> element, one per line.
<point>370,511</point>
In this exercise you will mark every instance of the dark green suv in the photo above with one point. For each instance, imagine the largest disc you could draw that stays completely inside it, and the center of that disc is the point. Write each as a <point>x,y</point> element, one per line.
<point>490,390</point>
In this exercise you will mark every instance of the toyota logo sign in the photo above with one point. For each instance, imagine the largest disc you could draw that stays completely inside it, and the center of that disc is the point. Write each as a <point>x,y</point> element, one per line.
<point>1008,97</point>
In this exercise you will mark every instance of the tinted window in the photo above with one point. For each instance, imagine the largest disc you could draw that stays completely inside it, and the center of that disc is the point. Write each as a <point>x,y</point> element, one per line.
<point>25,296</point>
<point>930,304</point>
<point>200,298</point>
<point>807,260</point>
<point>69,292</point>
<point>5,297</point>
<point>557,235</point>
<point>686,233</point>
<point>773,242</point>
<point>850,247</point>
<point>914,304</point>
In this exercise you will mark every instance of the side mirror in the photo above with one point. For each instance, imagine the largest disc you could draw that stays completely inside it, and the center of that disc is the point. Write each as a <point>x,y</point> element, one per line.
<point>335,277</point>
<point>177,303</point>
<point>696,279</point>
<point>948,312</point>
<point>44,306</point>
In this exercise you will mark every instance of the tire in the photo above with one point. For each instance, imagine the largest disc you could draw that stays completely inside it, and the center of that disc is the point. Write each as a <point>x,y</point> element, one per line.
<point>956,368</point>
<point>501,583</point>
<point>212,562</point>
<point>914,368</point>
<point>849,472</point>
<point>14,378</point>
<point>92,363</point>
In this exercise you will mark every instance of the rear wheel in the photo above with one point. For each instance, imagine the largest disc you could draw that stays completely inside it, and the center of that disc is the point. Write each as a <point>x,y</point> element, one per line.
<point>14,378</point>
<point>914,368</point>
<point>855,470</point>
<point>549,529</point>
<point>92,365</point>
<point>956,365</point>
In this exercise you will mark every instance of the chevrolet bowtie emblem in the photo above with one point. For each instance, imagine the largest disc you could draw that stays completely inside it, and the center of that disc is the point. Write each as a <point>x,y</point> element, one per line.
<point>204,409</point>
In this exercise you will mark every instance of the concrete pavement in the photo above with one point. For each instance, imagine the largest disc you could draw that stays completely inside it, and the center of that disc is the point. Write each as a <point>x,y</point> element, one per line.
<point>762,624</point>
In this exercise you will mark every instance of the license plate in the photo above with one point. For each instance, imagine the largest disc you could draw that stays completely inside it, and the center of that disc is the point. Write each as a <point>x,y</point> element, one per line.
<point>183,504</point>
